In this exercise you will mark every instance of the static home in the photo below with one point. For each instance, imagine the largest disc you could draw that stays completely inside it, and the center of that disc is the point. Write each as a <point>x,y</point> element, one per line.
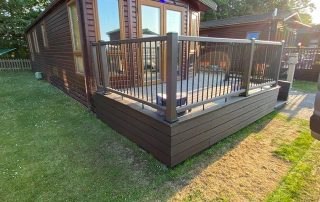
<point>309,37</point>
<point>275,26</point>
<point>60,38</point>
<point>142,68</point>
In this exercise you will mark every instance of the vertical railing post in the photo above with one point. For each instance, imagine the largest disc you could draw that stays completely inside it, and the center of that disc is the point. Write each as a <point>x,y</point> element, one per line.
<point>247,71</point>
<point>279,65</point>
<point>96,73</point>
<point>104,66</point>
<point>171,77</point>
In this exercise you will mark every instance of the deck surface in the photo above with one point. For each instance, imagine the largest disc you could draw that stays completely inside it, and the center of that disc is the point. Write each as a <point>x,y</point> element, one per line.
<point>202,86</point>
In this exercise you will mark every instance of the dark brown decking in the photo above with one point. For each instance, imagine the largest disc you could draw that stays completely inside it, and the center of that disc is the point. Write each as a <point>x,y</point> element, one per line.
<point>174,143</point>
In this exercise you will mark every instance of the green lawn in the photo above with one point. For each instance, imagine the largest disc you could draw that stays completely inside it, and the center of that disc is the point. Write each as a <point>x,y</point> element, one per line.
<point>302,181</point>
<point>53,149</point>
<point>305,86</point>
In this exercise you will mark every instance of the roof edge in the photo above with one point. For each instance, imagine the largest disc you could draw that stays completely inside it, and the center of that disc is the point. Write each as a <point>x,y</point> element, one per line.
<point>209,3</point>
<point>43,13</point>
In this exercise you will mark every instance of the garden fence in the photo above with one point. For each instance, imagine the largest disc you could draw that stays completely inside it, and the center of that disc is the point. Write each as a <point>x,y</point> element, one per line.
<point>15,64</point>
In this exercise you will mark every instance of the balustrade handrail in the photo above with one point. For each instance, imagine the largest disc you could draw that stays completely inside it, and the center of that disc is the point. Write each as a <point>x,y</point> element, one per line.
<point>227,40</point>
<point>163,73</point>
<point>138,40</point>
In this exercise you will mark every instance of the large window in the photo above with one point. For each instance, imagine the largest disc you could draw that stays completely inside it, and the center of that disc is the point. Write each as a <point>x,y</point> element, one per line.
<point>35,41</point>
<point>150,21</point>
<point>109,20</point>
<point>44,35</point>
<point>194,24</point>
<point>174,20</point>
<point>30,46</point>
<point>159,19</point>
<point>75,36</point>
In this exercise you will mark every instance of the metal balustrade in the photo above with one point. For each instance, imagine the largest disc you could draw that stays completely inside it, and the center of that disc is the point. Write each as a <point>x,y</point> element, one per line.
<point>177,73</point>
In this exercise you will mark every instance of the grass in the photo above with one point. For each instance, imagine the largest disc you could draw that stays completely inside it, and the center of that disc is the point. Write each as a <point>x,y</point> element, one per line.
<point>305,86</point>
<point>54,149</point>
<point>300,154</point>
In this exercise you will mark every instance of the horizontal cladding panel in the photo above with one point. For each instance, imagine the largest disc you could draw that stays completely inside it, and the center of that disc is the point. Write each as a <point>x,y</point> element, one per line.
<point>130,118</point>
<point>146,119</point>
<point>134,131</point>
<point>201,136</point>
<point>56,61</point>
<point>209,142</point>
<point>116,120</point>
<point>188,123</point>
<point>215,122</point>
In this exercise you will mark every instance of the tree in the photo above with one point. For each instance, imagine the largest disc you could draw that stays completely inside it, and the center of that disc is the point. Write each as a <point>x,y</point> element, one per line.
<point>15,17</point>
<point>232,8</point>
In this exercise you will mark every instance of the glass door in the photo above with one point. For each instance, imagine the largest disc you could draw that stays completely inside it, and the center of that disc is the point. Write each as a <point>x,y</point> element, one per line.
<point>158,19</point>
<point>173,21</point>
<point>151,54</point>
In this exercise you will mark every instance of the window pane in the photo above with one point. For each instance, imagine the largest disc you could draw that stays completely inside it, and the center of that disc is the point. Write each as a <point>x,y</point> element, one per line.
<point>109,19</point>
<point>79,64</point>
<point>150,21</point>
<point>194,24</point>
<point>75,27</point>
<point>35,41</point>
<point>44,35</point>
<point>174,21</point>
<point>30,43</point>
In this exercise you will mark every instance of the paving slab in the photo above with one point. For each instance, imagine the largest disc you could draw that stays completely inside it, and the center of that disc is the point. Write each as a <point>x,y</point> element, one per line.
<point>300,105</point>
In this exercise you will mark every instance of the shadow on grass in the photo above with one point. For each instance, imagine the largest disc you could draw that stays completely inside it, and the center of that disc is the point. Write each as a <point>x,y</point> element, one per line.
<point>56,150</point>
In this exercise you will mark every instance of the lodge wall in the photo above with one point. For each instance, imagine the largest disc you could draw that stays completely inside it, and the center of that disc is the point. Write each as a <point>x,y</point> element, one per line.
<point>56,61</point>
<point>237,31</point>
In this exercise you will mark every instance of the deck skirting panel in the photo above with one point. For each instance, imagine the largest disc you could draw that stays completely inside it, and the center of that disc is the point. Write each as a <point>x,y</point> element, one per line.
<point>136,126</point>
<point>219,124</point>
<point>174,143</point>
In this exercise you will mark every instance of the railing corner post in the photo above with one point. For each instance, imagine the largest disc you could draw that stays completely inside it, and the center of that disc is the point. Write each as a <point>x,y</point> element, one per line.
<point>247,72</point>
<point>104,66</point>
<point>280,63</point>
<point>171,77</point>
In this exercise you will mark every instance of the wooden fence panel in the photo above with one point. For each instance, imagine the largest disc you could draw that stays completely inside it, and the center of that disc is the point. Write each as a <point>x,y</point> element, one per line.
<point>15,64</point>
<point>308,66</point>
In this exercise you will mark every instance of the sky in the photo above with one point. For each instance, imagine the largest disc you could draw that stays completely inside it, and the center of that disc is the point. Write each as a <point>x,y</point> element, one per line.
<point>316,13</point>
<point>108,17</point>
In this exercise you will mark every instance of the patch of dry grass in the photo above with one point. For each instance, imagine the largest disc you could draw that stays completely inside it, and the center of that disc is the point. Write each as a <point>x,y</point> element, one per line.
<point>249,171</point>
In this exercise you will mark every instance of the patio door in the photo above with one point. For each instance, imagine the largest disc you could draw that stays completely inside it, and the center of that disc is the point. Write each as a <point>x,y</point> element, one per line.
<point>156,19</point>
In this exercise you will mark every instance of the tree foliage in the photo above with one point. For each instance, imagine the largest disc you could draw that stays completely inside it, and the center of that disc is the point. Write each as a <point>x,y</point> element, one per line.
<point>15,16</point>
<point>232,8</point>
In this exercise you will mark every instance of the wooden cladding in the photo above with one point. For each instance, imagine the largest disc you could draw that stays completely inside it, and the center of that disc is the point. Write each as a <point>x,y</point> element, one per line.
<point>75,36</point>
<point>56,62</point>
<point>174,143</point>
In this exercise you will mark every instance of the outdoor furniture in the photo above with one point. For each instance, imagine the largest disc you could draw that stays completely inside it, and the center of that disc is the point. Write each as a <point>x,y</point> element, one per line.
<point>181,100</point>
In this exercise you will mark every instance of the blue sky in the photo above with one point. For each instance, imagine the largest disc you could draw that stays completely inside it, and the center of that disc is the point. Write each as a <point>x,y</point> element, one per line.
<point>108,17</point>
